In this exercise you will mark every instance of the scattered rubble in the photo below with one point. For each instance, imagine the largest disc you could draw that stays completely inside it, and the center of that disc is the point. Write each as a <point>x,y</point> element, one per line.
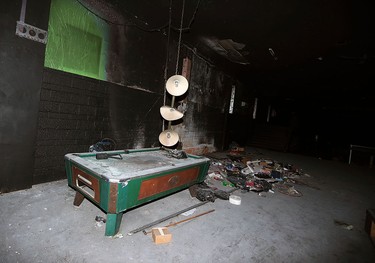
<point>241,170</point>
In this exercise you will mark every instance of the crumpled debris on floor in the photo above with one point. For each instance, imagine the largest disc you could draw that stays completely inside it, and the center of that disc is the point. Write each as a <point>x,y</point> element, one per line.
<point>288,189</point>
<point>249,173</point>
<point>203,192</point>
<point>343,224</point>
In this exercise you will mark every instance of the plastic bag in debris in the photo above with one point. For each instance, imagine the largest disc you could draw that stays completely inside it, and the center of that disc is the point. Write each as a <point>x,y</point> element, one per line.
<point>259,185</point>
<point>237,181</point>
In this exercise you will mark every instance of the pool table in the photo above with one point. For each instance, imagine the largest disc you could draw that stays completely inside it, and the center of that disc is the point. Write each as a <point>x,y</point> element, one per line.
<point>118,180</point>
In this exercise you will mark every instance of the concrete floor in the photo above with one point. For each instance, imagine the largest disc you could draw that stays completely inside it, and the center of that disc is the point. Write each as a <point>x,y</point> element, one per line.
<point>42,225</point>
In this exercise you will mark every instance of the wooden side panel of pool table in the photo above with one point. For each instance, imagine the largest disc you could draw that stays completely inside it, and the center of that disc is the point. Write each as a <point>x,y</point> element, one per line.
<point>164,183</point>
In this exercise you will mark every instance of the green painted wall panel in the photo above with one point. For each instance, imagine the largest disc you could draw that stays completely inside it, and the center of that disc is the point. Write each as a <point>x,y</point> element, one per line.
<point>77,40</point>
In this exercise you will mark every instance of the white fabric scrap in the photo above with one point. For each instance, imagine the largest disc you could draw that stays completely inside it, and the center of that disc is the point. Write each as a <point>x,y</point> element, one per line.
<point>190,212</point>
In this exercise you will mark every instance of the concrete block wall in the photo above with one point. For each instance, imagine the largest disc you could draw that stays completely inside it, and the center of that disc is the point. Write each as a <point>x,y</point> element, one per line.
<point>76,112</point>
<point>73,114</point>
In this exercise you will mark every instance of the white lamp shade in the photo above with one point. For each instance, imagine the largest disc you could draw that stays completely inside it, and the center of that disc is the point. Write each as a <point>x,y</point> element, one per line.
<point>177,85</point>
<point>168,138</point>
<point>170,114</point>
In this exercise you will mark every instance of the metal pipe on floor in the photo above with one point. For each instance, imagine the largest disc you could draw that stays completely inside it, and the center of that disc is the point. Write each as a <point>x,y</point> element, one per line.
<point>165,218</point>
<point>172,215</point>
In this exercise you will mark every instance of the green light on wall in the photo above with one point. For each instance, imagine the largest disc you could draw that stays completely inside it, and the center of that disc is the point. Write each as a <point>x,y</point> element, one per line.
<point>77,40</point>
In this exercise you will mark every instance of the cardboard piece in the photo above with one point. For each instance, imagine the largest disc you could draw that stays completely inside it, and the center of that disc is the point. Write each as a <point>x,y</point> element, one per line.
<point>161,235</point>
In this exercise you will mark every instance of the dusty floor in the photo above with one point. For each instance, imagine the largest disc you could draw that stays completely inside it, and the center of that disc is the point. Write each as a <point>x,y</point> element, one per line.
<point>42,225</point>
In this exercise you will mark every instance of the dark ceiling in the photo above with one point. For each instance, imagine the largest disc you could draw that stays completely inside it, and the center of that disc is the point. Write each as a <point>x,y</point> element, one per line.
<point>292,48</point>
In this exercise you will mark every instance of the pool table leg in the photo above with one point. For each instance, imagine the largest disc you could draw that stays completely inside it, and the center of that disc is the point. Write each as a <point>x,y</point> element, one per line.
<point>113,224</point>
<point>78,199</point>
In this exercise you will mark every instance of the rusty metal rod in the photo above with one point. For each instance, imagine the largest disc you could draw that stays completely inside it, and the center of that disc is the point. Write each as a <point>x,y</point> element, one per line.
<point>179,222</point>
<point>165,218</point>
<point>142,228</point>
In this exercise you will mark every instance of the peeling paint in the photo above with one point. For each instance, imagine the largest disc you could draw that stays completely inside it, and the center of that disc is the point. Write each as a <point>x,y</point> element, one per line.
<point>228,48</point>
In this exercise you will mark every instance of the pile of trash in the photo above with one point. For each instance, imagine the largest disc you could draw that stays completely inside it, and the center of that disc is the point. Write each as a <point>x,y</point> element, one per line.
<point>241,171</point>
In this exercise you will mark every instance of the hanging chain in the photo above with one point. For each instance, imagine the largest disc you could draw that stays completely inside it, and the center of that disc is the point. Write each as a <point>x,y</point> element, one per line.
<point>179,38</point>
<point>168,37</point>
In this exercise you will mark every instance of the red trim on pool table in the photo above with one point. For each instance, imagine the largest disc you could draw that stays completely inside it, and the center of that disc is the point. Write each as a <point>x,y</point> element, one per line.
<point>161,184</point>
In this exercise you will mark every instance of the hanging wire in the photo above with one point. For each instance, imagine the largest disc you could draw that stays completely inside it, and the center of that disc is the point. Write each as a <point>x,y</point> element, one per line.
<point>168,39</point>
<point>167,55</point>
<point>146,29</point>
<point>156,29</point>
<point>179,38</point>
<point>193,16</point>
<point>144,117</point>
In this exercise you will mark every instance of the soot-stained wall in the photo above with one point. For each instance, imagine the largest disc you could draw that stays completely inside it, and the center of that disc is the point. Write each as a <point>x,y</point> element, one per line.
<point>77,111</point>
<point>206,106</point>
<point>47,113</point>
<point>21,67</point>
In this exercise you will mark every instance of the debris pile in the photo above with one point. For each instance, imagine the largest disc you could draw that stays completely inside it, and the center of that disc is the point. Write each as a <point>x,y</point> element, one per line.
<point>241,170</point>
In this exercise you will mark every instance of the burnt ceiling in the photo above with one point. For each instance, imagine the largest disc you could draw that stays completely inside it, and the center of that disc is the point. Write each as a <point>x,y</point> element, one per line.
<point>285,49</point>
